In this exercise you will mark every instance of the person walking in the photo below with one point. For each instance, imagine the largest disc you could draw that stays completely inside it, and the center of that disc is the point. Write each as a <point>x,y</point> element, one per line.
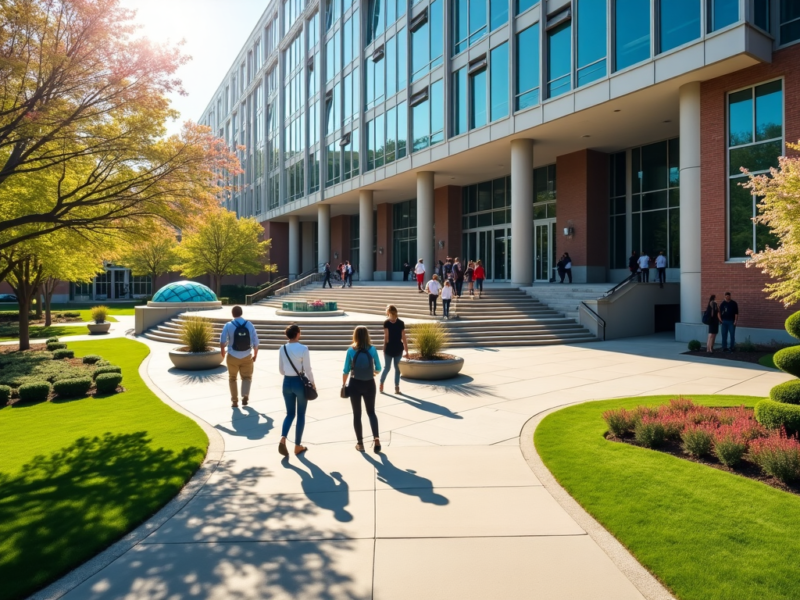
<point>711,317</point>
<point>469,276</point>
<point>447,270</point>
<point>294,360</point>
<point>419,271</point>
<point>661,267</point>
<point>447,297</point>
<point>568,266</point>
<point>406,270</point>
<point>560,266</point>
<point>343,272</point>
<point>237,340</point>
<point>728,317</point>
<point>433,287</point>
<point>349,270</point>
<point>395,346</point>
<point>327,273</point>
<point>644,267</point>
<point>479,276</point>
<point>633,263</point>
<point>362,364</point>
<point>458,274</point>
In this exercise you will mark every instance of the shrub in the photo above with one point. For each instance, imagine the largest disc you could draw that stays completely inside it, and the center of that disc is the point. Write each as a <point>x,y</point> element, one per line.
<point>650,432</point>
<point>695,345</point>
<point>37,391</point>
<point>91,359</point>
<point>52,346</point>
<point>99,313</point>
<point>5,394</point>
<point>428,339</point>
<point>788,360</point>
<point>698,439</point>
<point>673,425</point>
<point>63,353</point>
<point>774,415</point>
<point>51,340</point>
<point>746,346</point>
<point>72,388</point>
<point>787,393</point>
<point>730,444</point>
<point>619,421</point>
<point>793,325</point>
<point>681,405</point>
<point>196,333</point>
<point>777,455</point>
<point>107,383</point>
<point>224,300</point>
<point>106,369</point>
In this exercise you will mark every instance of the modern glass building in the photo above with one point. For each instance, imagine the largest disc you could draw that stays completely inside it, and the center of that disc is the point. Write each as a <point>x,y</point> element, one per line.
<point>383,131</point>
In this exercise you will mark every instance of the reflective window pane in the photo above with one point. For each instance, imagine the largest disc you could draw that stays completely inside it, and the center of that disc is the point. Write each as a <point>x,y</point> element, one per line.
<point>591,43</point>
<point>402,59</point>
<point>632,29</point>
<point>740,118</point>
<point>402,129</point>
<point>499,13</point>
<point>437,112</point>
<point>421,122</point>
<point>679,23</point>
<point>758,157</point>
<point>722,13</point>
<point>740,218</point>
<point>654,167</point>
<point>769,111</point>
<point>523,5</point>
<point>477,95</point>
<point>391,67</point>
<point>559,52</point>
<point>499,84</point>
<point>790,21</point>
<point>437,33</point>
<point>527,67</point>
<point>460,101</point>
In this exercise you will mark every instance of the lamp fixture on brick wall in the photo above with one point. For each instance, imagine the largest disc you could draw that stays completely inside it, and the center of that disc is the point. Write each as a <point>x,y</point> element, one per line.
<point>569,230</point>
<point>441,244</point>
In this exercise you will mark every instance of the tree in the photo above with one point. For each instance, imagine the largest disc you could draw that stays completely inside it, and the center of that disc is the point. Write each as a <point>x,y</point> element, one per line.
<point>220,245</point>
<point>152,255</point>
<point>779,209</point>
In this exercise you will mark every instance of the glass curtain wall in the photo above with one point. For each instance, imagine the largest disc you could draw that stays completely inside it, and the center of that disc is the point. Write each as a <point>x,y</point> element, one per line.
<point>618,256</point>
<point>473,19</point>
<point>387,136</point>
<point>427,40</point>
<point>632,32</point>
<point>722,13</point>
<point>527,68</point>
<point>789,21</point>
<point>559,59</point>
<point>591,40</point>
<point>679,23</point>
<point>427,120</point>
<point>382,14</point>
<point>521,6</point>
<point>404,234</point>
<point>477,101</point>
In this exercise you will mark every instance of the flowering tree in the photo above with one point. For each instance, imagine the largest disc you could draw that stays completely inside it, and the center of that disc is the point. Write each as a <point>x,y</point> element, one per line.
<point>779,210</point>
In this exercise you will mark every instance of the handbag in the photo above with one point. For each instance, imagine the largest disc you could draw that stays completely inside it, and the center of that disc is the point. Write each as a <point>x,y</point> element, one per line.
<point>308,387</point>
<point>345,391</point>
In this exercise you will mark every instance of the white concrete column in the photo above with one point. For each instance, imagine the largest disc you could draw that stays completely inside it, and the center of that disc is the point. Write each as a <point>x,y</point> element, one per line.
<point>294,247</point>
<point>522,212</point>
<point>324,232</point>
<point>691,300</point>
<point>366,233</point>
<point>425,249</point>
<point>307,234</point>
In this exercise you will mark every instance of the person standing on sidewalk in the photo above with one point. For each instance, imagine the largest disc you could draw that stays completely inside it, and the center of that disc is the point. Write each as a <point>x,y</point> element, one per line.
<point>395,345</point>
<point>433,287</point>
<point>343,272</point>
<point>447,298</point>
<point>712,318</point>
<point>406,270</point>
<point>479,276</point>
<point>469,275</point>
<point>728,318</point>
<point>661,266</point>
<point>294,359</point>
<point>644,267</point>
<point>633,263</point>
<point>327,273</point>
<point>419,271</point>
<point>568,266</point>
<point>239,341</point>
<point>458,274</point>
<point>362,364</point>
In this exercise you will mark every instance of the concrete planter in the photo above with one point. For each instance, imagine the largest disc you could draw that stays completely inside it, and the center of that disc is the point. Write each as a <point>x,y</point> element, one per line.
<point>431,369</point>
<point>309,313</point>
<point>195,361</point>
<point>95,328</point>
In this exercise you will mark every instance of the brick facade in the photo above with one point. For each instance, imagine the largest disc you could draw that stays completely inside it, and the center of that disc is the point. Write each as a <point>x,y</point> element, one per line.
<point>717,275</point>
<point>340,239</point>
<point>279,253</point>
<point>383,261</point>
<point>447,222</point>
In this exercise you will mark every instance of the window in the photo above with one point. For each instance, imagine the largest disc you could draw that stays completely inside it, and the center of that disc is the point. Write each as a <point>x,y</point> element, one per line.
<point>427,40</point>
<point>722,13</point>
<point>375,85</point>
<point>632,29</point>
<point>350,155</point>
<point>617,258</point>
<point>544,185</point>
<point>402,59</point>
<point>404,234</point>
<point>291,11</point>
<point>460,101</point>
<point>591,42</point>
<point>679,23</point>
<point>312,25</point>
<point>790,21</point>
<point>498,12</point>
<point>381,14</point>
<point>655,183</point>
<point>386,137</point>
<point>486,204</point>
<point>523,5</point>
<point>559,59</point>
<point>498,73</point>
<point>527,67</point>
<point>477,98</point>
<point>427,116</point>
<point>755,141</point>
<point>470,22</point>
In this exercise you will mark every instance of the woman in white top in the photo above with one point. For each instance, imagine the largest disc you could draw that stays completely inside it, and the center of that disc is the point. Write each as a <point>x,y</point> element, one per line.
<point>447,297</point>
<point>433,287</point>
<point>294,355</point>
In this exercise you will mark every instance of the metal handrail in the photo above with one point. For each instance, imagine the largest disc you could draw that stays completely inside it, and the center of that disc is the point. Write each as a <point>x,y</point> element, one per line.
<point>296,285</point>
<point>598,319</point>
<point>264,292</point>
<point>622,283</point>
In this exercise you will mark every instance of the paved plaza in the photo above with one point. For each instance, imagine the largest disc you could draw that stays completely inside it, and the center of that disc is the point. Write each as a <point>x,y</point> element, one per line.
<point>450,510</point>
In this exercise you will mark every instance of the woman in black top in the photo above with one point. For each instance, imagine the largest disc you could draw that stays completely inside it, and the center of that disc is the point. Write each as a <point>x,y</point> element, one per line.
<point>394,346</point>
<point>712,310</point>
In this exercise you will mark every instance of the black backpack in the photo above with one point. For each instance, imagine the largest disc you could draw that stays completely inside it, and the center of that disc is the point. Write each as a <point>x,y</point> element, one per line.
<point>241,337</point>
<point>363,366</point>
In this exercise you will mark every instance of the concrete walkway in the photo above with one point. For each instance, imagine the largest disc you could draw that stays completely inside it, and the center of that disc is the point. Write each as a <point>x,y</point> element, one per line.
<point>450,510</point>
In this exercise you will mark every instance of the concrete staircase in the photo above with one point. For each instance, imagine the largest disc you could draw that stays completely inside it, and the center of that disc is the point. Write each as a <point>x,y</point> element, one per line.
<point>566,297</point>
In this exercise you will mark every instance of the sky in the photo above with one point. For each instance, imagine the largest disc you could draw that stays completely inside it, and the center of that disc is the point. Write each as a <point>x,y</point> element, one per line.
<point>214,31</point>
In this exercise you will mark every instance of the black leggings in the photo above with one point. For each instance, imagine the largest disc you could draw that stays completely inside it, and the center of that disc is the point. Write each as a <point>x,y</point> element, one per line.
<point>363,389</point>
<point>432,298</point>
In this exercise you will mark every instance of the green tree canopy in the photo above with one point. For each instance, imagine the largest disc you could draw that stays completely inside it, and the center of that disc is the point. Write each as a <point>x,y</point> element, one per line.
<point>152,253</point>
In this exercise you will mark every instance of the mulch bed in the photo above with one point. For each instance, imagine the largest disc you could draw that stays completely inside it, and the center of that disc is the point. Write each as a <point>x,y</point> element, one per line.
<point>9,348</point>
<point>744,468</point>
<point>750,357</point>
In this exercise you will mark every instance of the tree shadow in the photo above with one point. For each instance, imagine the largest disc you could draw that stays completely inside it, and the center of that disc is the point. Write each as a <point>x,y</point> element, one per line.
<point>461,385</point>
<point>243,425</point>
<point>59,510</point>
<point>427,406</point>
<point>406,481</point>
<point>328,491</point>
<point>199,377</point>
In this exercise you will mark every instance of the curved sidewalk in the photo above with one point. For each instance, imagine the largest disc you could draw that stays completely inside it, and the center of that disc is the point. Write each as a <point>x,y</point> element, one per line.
<point>451,509</point>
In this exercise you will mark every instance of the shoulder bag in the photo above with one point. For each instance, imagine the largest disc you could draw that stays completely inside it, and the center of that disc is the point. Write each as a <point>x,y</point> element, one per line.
<point>308,387</point>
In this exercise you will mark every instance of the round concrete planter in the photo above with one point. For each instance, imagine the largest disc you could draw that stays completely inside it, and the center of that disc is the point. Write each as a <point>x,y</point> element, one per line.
<point>431,369</point>
<point>195,361</point>
<point>309,313</point>
<point>95,328</point>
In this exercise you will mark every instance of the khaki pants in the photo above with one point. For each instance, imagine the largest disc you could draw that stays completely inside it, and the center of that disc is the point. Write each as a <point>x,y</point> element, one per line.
<point>236,367</point>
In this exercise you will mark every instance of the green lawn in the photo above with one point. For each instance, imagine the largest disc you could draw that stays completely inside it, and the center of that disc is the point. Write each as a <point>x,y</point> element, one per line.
<point>9,331</point>
<point>116,308</point>
<point>768,361</point>
<point>75,476</point>
<point>705,533</point>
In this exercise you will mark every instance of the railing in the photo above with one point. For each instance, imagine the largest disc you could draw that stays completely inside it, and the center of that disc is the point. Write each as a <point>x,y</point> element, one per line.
<point>296,285</point>
<point>268,290</point>
<point>622,283</point>
<point>601,324</point>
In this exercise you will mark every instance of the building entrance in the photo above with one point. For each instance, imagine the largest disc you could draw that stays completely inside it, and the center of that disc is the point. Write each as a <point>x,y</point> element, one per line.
<point>544,250</point>
<point>492,246</point>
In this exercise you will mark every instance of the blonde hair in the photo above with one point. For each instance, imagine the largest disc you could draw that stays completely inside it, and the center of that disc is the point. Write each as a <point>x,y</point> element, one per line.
<point>391,310</point>
<point>361,339</point>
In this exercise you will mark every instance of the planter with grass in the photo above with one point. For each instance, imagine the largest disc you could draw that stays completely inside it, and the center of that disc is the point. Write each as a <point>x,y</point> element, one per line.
<point>100,325</point>
<point>426,360</point>
<point>196,354</point>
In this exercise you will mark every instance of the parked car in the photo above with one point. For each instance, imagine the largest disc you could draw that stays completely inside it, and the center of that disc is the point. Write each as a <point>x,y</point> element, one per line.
<point>8,298</point>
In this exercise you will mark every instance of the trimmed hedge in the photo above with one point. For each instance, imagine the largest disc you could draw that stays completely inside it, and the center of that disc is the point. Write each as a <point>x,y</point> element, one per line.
<point>787,393</point>
<point>63,353</point>
<point>788,360</point>
<point>773,415</point>
<point>106,369</point>
<point>695,345</point>
<point>107,382</point>
<point>793,325</point>
<point>51,340</point>
<point>72,388</point>
<point>34,392</point>
<point>91,359</point>
<point>53,346</point>
<point>5,394</point>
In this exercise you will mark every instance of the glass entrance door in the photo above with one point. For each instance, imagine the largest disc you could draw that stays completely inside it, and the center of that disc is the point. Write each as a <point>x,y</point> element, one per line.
<point>493,248</point>
<point>544,249</point>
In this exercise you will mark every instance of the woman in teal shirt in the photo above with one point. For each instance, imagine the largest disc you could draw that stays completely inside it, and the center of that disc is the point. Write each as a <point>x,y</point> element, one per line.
<point>362,364</point>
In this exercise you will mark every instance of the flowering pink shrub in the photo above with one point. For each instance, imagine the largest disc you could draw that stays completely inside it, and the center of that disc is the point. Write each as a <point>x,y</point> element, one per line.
<point>777,455</point>
<point>681,405</point>
<point>698,438</point>
<point>619,421</point>
<point>650,431</point>
<point>730,443</point>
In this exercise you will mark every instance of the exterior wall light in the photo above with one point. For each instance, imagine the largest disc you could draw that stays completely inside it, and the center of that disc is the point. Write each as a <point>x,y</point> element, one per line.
<point>380,249</point>
<point>441,244</point>
<point>569,231</point>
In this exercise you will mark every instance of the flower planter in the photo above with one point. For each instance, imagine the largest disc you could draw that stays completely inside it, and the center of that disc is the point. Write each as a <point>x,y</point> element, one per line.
<point>431,369</point>
<point>195,361</point>
<point>95,328</point>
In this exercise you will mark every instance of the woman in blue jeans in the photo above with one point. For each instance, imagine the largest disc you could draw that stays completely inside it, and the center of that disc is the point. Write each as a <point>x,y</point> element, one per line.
<point>294,359</point>
<point>395,346</point>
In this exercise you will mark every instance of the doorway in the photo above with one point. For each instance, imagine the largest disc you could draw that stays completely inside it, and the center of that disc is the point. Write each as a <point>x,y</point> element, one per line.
<point>492,246</point>
<point>544,250</point>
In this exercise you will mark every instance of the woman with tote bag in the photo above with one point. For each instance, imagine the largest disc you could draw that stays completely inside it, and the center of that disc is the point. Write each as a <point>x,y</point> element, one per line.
<point>294,363</point>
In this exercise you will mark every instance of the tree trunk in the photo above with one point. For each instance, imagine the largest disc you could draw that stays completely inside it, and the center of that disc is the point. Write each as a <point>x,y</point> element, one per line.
<point>28,276</point>
<point>38,297</point>
<point>48,300</point>
<point>217,284</point>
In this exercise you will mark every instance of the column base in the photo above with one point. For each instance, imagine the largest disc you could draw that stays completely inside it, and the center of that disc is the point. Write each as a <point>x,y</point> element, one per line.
<point>686,332</point>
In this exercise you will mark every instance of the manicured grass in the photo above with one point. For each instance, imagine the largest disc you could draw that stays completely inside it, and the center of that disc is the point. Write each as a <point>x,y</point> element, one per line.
<point>116,308</point>
<point>9,332</point>
<point>705,533</point>
<point>768,361</point>
<point>75,476</point>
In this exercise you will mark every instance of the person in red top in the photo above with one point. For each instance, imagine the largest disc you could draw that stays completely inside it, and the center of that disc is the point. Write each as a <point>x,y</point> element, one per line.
<point>479,275</point>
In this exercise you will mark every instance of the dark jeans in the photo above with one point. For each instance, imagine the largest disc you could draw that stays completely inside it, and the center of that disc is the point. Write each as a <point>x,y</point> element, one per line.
<point>662,275</point>
<point>459,286</point>
<point>644,275</point>
<point>446,306</point>
<point>561,274</point>
<point>405,275</point>
<point>479,285</point>
<point>366,390</point>
<point>327,280</point>
<point>568,273</point>
<point>432,298</point>
<point>295,397</point>
<point>387,366</point>
<point>728,328</point>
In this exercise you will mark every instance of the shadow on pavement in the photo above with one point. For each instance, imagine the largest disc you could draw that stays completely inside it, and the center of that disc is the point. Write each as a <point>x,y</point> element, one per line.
<point>430,407</point>
<point>315,480</point>
<point>244,427</point>
<point>406,481</point>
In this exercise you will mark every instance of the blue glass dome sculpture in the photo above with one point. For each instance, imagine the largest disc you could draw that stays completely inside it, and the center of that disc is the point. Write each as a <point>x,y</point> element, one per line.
<point>185,291</point>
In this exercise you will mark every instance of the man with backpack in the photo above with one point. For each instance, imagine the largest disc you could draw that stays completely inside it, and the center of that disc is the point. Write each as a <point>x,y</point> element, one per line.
<point>458,276</point>
<point>237,340</point>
